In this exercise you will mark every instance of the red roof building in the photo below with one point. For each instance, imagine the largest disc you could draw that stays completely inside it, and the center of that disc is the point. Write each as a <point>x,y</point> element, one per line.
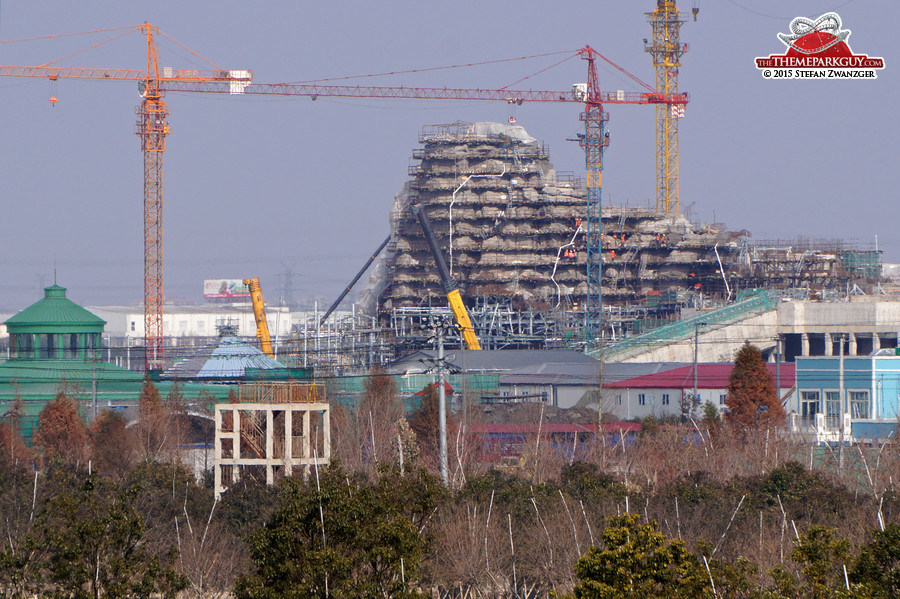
<point>670,393</point>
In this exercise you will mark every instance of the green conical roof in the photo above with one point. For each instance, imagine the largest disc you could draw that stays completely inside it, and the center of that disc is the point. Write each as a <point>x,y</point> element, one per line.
<point>55,313</point>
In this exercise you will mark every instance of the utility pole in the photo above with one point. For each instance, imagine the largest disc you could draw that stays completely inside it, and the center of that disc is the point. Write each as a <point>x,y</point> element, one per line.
<point>841,395</point>
<point>442,407</point>
<point>694,398</point>
<point>440,326</point>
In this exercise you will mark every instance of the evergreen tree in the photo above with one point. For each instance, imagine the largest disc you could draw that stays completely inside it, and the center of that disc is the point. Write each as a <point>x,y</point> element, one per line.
<point>878,564</point>
<point>639,561</point>
<point>753,401</point>
<point>94,537</point>
<point>337,535</point>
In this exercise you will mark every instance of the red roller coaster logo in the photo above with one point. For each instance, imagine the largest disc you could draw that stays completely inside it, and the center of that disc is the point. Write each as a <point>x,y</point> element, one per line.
<point>818,49</point>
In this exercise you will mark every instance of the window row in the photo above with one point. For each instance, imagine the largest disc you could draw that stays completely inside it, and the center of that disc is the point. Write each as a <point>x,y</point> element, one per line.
<point>54,345</point>
<point>811,403</point>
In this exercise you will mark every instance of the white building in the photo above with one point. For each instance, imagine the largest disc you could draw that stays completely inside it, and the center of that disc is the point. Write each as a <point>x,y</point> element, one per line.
<point>664,393</point>
<point>127,322</point>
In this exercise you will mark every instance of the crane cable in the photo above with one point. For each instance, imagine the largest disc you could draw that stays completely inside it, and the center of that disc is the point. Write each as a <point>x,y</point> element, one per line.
<point>126,31</point>
<point>768,16</point>
<point>446,67</point>
<point>47,37</point>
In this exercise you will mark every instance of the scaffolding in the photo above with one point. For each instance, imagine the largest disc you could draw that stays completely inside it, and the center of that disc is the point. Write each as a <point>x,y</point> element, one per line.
<point>288,429</point>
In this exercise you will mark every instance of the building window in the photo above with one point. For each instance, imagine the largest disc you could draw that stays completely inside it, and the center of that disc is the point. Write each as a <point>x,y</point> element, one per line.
<point>132,326</point>
<point>809,404</point>
<point>642,399</point>
<point>665,399</point>
<point>833,408</point>
<point>201,325</point>
<point>618,400</point>
<point>859,404</point>
<point>71,347</point>
<point>723,397</point>
<point>182,325</point>
<point>544,396</point>
<point>24,345</point>
<point>48,345</point>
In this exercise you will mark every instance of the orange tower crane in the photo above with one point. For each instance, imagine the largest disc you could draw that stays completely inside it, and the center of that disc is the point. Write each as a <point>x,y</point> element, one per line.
<point>594,141</point>
<point>152,127</point>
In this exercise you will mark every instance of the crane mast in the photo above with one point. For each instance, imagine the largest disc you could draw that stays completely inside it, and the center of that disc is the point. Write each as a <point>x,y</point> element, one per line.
<point>152,127</point>
<point>666,50</point>
<point>594,143</point>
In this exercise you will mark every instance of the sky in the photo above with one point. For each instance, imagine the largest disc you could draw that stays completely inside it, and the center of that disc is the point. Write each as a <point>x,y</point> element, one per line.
<point>266,186</point>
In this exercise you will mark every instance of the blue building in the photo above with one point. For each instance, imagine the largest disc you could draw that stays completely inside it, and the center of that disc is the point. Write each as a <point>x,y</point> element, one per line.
<point>858,396</point>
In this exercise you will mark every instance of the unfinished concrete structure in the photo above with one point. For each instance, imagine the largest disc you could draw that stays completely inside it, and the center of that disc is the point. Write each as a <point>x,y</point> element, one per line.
<point>275,429</point>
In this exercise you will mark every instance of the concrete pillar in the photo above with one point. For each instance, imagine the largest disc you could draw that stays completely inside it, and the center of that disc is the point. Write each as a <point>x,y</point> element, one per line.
<point>270,446</point>
<point>804,344</point>
<point>876,341</point>
<point>829,348</point>
<point>851,349</point>
<point>288,445</point>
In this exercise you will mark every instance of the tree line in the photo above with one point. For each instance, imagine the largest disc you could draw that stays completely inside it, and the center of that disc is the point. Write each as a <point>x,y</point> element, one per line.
<point>718,510</point>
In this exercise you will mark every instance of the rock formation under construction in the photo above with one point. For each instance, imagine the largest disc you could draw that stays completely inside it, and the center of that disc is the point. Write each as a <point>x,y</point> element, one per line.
<point>513,232</point>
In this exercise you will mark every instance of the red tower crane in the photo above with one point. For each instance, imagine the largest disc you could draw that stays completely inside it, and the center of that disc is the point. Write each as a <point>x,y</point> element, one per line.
<point>594,141</point>
<point>152,127</point>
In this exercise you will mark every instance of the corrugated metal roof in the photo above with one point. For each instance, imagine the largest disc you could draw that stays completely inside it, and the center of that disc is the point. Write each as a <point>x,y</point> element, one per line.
<point>229,357</point>
<point>58,372</point>
<point>55,309</point>
<point>493,360</point>
<point>581,374</point>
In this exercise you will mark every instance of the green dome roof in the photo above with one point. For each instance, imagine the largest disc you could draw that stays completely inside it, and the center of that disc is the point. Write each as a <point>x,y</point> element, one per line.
<point>55,313</point>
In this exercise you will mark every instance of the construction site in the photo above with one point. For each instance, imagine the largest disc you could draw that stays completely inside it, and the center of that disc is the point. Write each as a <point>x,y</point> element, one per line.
<point>513,231</point>
<point>520,255</point>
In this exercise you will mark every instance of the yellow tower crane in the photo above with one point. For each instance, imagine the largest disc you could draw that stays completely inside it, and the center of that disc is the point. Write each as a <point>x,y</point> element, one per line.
<point>666,49</point>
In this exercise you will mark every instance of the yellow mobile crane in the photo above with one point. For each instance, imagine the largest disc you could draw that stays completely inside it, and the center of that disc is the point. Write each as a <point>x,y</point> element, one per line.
<point>460,314</point>
<point>259,313</point>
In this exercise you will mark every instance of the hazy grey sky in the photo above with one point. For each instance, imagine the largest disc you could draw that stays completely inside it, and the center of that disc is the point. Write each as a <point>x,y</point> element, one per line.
<point>256,185</point>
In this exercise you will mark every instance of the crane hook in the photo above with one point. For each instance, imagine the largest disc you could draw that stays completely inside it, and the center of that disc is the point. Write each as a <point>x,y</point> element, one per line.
<point>53,101</point>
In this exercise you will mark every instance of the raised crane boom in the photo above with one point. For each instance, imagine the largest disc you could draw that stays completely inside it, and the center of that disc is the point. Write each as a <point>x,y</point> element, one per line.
<point>152,128</point>
<point>259,314</point>
<point>454,299</point>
